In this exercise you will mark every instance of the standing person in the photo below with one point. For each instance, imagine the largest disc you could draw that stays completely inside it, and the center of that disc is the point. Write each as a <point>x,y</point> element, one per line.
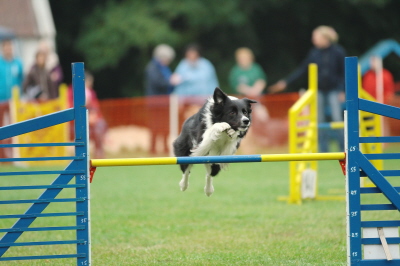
<point>11,75</point>
<point>247,77</point>
<point>194,75</point>
<point>369,81</point>
<point>37,84</point>
<point>53,65</point>
<point>158,72</point>
<point>157,83</point>
<point>11,70</point>
<point>97,124</point>
<point>329,56</point>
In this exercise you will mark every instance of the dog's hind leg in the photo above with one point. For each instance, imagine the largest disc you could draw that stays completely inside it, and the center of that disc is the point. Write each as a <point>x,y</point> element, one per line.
<point>212,170</point>
<point>185,176</point>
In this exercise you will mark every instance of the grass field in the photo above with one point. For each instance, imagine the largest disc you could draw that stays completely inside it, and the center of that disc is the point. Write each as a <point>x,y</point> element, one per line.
<point>140,217</point>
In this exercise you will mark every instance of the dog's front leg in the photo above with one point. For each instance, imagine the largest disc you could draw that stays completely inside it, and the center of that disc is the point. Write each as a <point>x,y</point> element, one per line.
<point>210,136</point>
<point>218,128</point>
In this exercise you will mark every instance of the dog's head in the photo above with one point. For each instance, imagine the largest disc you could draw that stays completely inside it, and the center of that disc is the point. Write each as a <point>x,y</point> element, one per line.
<point>236,112</point>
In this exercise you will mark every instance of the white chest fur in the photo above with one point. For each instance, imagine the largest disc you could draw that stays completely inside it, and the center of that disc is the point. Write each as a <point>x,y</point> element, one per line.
<point>219,139</point>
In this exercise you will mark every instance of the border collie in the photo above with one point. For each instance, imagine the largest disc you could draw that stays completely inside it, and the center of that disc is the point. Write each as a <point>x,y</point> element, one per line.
<point>216,129</point>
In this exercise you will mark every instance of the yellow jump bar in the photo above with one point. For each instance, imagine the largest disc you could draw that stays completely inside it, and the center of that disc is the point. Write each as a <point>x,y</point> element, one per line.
<point>303,157</point>
<point>219,159</point>
<point>134,161</point>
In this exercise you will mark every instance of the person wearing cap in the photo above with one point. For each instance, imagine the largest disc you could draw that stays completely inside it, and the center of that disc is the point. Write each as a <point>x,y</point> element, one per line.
<point>329,56</point>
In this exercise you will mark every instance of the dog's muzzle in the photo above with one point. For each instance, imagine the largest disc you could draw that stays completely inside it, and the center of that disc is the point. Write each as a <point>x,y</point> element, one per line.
<point>244,125</point>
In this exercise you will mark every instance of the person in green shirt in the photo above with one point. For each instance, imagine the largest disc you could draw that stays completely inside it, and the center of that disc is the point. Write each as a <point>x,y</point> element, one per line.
<point>247,77</point>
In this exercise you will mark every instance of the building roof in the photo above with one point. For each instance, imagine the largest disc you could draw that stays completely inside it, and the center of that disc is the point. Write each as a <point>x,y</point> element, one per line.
<point>19,16</point>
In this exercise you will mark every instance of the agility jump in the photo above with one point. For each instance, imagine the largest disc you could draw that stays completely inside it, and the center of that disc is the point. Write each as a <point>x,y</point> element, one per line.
<point>357,165</point>
<point>303,138</point>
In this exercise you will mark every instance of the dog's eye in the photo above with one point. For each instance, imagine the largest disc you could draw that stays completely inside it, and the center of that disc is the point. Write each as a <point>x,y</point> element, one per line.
<point>232,113</point>
<point>245,112</point>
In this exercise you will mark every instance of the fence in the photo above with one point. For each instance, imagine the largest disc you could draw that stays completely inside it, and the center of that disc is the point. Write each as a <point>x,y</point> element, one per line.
<point>151,117</point>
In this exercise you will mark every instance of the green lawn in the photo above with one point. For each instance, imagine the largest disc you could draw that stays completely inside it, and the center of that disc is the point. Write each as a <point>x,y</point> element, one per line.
<point>140,217</point>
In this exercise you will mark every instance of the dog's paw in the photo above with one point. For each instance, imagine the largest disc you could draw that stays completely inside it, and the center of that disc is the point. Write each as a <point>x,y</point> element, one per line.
<point>183,185</point>
<point>223,126</point>
<point>218,128</point>
<point>209,190</point>
<point>230,132</point>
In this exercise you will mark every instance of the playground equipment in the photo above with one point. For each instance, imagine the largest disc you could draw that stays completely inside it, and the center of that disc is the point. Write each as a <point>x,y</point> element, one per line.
<point>80,163</point>
<point>382,49</point>
<point>303,138</point>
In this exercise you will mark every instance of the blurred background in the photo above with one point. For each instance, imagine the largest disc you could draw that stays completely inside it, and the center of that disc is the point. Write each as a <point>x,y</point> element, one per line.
<point>116,40</point>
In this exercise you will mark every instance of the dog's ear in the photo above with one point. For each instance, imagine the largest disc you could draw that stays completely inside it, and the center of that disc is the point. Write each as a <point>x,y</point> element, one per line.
<point>219,96</point>
<point>249,101</point>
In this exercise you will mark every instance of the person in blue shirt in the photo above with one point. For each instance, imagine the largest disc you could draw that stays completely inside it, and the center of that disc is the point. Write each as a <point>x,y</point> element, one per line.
<point>11,71</point>
<point>194,75</point>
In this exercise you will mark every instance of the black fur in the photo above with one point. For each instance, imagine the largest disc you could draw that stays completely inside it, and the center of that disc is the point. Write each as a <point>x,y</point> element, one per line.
<point>215,168</point>
<point>237,113</point>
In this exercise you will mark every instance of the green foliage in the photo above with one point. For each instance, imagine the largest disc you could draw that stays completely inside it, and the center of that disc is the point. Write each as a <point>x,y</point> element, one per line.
<point>115,28</point>
<point>377,3</point>
<point>115,37</point>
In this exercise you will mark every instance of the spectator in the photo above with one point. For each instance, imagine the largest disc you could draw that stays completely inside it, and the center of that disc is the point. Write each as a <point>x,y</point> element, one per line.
<point>37,84</point>
<point>369,82</point>
<point>157,82</point>
<point>247,77</point>
<point>11,75</point>
<point>329,56</point>
<point>11,71</point>
<point>195,75</point>
<point>97,124</point>
<point>52,63</point>
<point>158,73</point>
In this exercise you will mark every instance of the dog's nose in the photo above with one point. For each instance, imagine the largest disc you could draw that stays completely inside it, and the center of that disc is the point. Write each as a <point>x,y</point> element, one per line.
<point>246,121</point>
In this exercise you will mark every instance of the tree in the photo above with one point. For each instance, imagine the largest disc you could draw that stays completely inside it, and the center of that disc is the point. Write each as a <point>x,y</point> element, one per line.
<point>115,28</point>
<point>115,38</point>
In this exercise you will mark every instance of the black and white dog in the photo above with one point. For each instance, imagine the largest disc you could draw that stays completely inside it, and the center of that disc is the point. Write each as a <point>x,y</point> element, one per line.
<point>216,129</point>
